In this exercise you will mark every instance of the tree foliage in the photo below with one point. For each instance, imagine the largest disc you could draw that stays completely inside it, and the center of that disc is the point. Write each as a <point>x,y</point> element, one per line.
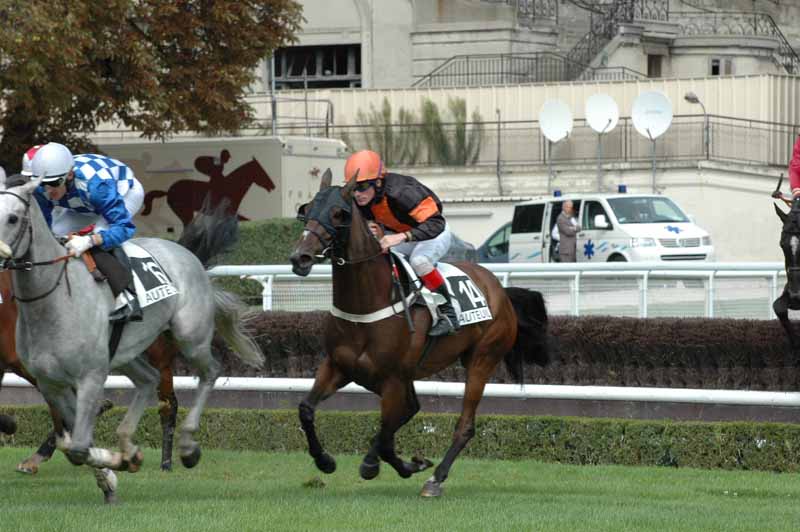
<point>157,66</point>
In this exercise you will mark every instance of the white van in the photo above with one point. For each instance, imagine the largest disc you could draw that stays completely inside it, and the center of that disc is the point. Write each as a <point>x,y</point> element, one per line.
<point>614,228</point>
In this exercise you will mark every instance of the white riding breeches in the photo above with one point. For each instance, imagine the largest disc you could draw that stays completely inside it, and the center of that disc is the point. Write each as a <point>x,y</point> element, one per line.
<point>67,221</point>
<point>424,254</point>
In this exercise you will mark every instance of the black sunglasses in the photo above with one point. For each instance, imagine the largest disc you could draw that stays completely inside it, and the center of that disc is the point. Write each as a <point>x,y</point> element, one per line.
<point>364,186</point>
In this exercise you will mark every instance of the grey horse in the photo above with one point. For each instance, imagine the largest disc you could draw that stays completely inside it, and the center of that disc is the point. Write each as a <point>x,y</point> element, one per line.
<point>63,335</point>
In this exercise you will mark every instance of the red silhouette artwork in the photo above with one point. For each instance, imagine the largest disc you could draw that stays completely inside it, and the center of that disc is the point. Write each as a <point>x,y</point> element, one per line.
<point>186,196</point>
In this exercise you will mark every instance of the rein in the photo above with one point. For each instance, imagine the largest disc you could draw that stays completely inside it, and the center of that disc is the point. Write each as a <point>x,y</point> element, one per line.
<point>25,265</point>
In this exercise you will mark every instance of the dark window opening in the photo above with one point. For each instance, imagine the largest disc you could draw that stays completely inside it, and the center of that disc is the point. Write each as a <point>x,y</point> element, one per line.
<point>715,67</point>
<point>528,219</point>
<point>654,66</point>
<point>327,66</point>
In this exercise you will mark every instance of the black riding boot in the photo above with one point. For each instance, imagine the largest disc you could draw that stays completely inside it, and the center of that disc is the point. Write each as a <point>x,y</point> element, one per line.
<point>448,321</point>
<point>132,311</point>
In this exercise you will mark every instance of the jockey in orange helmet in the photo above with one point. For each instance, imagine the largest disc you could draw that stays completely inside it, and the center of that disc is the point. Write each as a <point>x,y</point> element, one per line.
<point>413,215</point>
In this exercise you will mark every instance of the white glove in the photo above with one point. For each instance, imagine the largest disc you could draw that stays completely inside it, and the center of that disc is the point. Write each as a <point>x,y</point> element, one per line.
<point>77,245</point>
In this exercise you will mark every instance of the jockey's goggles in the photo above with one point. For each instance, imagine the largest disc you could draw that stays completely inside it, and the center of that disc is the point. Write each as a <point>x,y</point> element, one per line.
<point>363,186</point>
<point>57,182</point>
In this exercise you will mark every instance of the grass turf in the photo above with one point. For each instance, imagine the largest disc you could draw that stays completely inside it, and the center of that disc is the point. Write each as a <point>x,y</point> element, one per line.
<point>243,491</point>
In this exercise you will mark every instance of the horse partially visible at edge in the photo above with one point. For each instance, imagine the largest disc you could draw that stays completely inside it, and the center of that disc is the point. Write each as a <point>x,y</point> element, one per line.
<point>63,335</point>
<point>386,356</point>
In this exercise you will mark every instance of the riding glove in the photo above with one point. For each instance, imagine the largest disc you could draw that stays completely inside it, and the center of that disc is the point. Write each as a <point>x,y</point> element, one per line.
<point>77,245</point>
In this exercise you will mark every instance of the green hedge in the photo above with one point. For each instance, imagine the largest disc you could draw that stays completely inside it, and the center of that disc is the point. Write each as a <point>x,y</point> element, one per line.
<point>260,242</point>
<point>762,446</point>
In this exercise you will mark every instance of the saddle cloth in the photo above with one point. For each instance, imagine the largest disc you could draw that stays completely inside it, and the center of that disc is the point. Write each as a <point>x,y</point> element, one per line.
<point>468,300</point>
<point>151,281</point>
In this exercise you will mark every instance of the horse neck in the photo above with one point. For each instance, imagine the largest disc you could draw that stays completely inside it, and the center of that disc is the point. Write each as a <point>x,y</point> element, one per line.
<point>365,286</point>
<point>43,247</point>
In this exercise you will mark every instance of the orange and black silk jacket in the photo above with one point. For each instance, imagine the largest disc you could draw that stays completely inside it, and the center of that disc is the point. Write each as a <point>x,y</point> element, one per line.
<point>405,204</point>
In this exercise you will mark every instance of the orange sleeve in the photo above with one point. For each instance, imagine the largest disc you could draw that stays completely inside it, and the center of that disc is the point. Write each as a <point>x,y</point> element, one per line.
<point>424,210</point>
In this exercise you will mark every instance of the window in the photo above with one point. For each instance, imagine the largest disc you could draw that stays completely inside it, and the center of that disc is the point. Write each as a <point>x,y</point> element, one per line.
<point>498,243</point>
<point>646,210</point>
<point>327,66</point>
<point>528,219</point>
<point>593,208</point>
<point>721,67</point>
<point>653,66</point>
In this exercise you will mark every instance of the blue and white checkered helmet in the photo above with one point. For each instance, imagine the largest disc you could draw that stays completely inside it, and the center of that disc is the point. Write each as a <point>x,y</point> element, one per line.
<point>52,162</point>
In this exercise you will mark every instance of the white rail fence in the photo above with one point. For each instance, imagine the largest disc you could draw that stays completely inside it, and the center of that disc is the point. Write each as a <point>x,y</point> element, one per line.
<point>651,289</point>
<point>508,391</point>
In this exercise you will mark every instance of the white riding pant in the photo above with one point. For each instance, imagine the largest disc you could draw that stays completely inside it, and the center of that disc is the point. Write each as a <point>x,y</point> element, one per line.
<point>66,221</point>
<point>424,254</point>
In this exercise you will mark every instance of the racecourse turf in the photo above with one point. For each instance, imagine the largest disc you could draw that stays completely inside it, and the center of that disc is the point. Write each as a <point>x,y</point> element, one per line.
<point>244,491</point>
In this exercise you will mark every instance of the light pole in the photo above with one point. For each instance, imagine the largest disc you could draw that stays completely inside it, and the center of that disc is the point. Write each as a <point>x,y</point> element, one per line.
<point>691,97</point>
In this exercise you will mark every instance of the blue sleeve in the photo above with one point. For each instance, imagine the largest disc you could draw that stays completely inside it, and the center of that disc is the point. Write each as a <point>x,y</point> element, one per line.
<point>108,203</point>
<point>44,205</point>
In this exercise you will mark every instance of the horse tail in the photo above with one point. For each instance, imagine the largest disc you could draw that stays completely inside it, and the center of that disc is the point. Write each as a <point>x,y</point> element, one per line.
<point>530,347</point>
<point>229,325</point>
<point>148,200</point>
<point>213,231</point>
<point>7,424</point>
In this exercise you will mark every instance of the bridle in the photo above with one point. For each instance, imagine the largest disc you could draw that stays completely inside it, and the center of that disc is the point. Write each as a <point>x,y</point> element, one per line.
<point>331,244</point>
<point>19,264</point>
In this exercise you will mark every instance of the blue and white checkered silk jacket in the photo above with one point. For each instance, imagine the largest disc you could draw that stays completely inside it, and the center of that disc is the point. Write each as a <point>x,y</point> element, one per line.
<point>99,186</point>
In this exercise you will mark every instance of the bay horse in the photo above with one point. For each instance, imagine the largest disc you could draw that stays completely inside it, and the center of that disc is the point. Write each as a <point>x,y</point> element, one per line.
<point>160,355</point>
<point>63,333</point>
<point>386,356</point>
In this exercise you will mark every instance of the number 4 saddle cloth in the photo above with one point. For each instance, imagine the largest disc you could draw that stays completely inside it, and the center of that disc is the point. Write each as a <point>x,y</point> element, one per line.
<point>151,281</point>
<point>468,300</point>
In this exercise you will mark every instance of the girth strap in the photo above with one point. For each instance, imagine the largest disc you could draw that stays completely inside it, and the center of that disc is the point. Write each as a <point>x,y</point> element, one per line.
<point>378,315</point>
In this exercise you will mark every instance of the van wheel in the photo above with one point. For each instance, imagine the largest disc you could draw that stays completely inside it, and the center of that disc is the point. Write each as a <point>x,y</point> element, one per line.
<point>617,258</point>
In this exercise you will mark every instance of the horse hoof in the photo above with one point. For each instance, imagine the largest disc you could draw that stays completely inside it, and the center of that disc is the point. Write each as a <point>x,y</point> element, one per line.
<point>325,463</point>
<point>135,462</point>
<point>27,469</point>
<point>166,466</point>
<point>110,497</point>
<point>190,460</point>
<point>368,470</point>
<point>77,456</point>
<point>105,406</point>
<point>421,463</point>
<point>431,489</point>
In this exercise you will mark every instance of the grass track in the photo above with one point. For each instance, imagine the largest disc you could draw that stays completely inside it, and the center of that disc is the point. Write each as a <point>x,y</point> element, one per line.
<point>244,491</point>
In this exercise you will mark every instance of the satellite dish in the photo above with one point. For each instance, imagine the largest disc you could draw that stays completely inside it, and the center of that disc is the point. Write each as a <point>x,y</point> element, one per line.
<point>602,112</point>
<point>555,120</point>
<point>651,114</point>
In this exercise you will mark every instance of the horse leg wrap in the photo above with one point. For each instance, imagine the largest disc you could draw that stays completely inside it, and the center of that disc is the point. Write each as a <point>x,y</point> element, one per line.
<point>107,482</point>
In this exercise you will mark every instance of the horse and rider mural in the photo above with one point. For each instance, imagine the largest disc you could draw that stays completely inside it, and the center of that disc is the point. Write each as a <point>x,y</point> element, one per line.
<point>186,196</point>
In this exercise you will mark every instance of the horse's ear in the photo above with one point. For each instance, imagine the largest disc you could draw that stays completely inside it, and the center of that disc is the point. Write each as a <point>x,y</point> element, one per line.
<point>28,188</point>
<point>325,182</point>
<point>782,215</point>
<point>347,190</point>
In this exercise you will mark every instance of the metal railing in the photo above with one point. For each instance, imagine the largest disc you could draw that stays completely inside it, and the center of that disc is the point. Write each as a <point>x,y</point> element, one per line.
<point>522,143</point>
<point>532,12</point>
<point>476,70</point>
<point>651,289</point>
<point>739,23</point>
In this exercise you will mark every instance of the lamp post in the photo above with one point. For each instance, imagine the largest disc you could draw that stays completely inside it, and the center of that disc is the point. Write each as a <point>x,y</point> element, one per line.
<point>691,97</point>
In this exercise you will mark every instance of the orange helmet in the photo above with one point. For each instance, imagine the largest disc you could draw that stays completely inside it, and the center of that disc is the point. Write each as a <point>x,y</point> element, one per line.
<point>367,163</point>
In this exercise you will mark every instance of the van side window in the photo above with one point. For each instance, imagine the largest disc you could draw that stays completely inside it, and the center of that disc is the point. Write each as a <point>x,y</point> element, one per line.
<point>528,219</point>
<point>592,209</point>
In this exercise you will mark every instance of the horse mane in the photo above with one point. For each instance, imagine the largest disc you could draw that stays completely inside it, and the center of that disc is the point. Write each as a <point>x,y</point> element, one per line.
<point>212,232</point>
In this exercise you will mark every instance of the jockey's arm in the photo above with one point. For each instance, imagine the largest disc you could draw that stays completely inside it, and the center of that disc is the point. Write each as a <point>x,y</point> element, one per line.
<point>109,204</point>
<point>430,219</point>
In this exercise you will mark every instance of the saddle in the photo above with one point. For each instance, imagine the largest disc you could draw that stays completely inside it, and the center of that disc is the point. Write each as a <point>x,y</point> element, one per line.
<point>113,266</point>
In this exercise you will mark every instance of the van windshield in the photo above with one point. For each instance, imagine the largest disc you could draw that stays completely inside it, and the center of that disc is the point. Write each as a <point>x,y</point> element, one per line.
<point>646,210</point>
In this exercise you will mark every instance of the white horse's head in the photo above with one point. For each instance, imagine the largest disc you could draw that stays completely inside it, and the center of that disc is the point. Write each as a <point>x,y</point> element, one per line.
<point>15,204</point>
